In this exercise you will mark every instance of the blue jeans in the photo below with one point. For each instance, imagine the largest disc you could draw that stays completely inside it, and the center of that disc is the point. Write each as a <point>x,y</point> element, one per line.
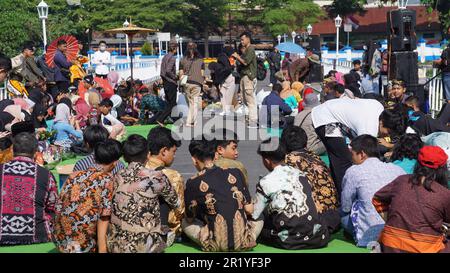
<point>446,84</point>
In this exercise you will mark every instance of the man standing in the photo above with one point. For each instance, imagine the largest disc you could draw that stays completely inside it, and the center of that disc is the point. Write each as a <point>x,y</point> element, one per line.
<point>274,60</point>
<point>248,67</point>
<point>28,198</point>
<point>62,73</point>
<point>101,59</point>
<point>5,67</point>
<point>444,65</point>
<point>169,77</point>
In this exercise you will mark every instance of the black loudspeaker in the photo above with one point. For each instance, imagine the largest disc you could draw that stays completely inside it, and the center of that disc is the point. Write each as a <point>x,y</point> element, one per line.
<point>404,66</point>
<point>315,73</point>
<point>314,43</point>
<point>401,29</point>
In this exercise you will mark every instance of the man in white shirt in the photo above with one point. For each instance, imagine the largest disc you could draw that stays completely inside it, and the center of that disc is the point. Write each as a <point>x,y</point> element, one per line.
<point>102,59</point>
<point>338,121</point>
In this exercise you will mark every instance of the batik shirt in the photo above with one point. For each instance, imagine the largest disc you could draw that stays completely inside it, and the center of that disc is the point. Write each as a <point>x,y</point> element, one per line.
<point>217,198</point>
<point>27,202</point>
<point>152,104</point>
<point>176,180</point>
<point>84,199</point>
<point>319,177</point>
<point>136,220</point>
<point>292,221</point>
<point>359,185</point>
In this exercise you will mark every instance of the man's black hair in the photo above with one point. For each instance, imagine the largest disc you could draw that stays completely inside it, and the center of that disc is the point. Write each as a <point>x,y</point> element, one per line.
<point>224,137</point>
<point>246,34</point>
<point>339,88</point>
<point>396,120</point>
<point>95,134</point>
<point>294,138</point>
<point>144,90</point>
<point>61,42</point>
<point>274,150</point>
<point>25,144</point>
<point>367,144</point>
<point>355,62</point>
<point>107,152</point>
<point>202,149</point>
<point>28,45</point>
<point>135,149</point>
<point>102,42</point>
<point>277,88</point>
<point>107,103</point>
<point>5,63</point>
<point>413,100</point>
<point>159,138</point>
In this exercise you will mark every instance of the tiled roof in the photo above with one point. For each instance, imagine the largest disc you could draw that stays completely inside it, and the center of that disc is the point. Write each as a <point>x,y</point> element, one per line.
<point>375,21</point>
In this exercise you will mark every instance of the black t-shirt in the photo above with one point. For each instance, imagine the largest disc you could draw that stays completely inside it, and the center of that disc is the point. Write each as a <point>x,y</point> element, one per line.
<point>426,125</point>
<point>445,57</point>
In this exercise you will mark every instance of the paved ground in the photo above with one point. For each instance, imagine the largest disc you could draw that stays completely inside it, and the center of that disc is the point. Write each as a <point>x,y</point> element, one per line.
<point>247,154</point>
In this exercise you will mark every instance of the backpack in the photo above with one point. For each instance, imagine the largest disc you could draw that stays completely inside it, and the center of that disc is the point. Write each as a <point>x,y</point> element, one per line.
<point>261,71</point>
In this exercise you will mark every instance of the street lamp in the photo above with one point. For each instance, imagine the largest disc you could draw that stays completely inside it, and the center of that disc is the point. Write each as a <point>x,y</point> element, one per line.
<point>177,38</point>
<point>279,39</point>
<point>293,36</point>
<point>43,15</point>
<point>338,23</point>
<point>127,24</point>
<point>309,29</point>
<point>181,46</point>
<point>402,4</point>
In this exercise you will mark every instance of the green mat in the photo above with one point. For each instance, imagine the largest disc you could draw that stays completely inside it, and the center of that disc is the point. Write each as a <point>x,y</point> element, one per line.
<point>337,245</point>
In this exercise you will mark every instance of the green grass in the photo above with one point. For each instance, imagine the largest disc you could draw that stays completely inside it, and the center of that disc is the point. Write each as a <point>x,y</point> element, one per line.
<point>337,245</point>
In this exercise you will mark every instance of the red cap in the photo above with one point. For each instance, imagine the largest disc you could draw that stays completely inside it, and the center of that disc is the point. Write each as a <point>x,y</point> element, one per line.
<point>432,157</point>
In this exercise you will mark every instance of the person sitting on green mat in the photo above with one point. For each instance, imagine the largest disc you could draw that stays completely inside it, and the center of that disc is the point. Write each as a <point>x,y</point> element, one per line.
<point>93,135</point>
<point>163,147</point>
<point>318,174</point>
<point>135,220</point>
<point>284,199</point>
<point>227,152</point>
<point>28,196</point>
<point>84,206</point>
<point>406,151</point>
<point>217,203</point>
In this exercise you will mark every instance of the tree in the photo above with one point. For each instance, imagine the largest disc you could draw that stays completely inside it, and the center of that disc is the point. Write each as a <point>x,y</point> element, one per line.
<point>443,7</point>
<point>147,49</point>
<point>281,16</point>
<point>345,8</point>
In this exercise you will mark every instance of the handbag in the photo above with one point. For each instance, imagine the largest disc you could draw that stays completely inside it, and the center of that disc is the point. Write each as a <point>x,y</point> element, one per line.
<point>184,79</point>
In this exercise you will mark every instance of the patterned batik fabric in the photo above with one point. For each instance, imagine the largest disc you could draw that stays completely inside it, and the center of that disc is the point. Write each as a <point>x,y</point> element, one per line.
<point>319,177</point>
<point>217,198</point>
<point>84,198</point>
<point>27,204</point>
<point>291,220</point>
<point>177,182</point>
<point>135,221</point>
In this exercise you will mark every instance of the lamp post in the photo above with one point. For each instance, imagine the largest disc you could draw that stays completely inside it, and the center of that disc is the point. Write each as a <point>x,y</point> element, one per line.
<point>402,4</point>
<point>293,34</point>
<point>177,38</point>
<point>338,23</point>
<point>309,29</point>
<point>181,47</point>
<point>285,37</point>
<point>279,39</point>
<point>43,15</point>
<point>127,24</point>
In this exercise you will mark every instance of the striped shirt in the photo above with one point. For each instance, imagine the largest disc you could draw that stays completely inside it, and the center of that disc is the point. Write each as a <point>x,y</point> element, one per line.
<point>87,162</point>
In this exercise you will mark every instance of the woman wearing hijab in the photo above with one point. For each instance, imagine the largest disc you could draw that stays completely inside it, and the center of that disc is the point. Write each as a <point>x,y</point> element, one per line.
<point>67,128</point>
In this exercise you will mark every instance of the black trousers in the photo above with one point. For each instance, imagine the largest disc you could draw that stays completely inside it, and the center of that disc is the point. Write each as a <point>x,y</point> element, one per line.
<point>339,155</point>
<point>273,71</point>
<point>170,92</point>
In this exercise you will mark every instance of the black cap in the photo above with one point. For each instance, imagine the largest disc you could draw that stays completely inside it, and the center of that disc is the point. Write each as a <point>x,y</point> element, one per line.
<point>138,82</point>
<point>28,45</point>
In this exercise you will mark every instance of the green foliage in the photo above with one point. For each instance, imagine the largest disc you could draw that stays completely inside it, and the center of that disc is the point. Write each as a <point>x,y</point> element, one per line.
<point>147,49</point>
<point>443,7</point>
<point>281,16</point>
<point>346,7</point>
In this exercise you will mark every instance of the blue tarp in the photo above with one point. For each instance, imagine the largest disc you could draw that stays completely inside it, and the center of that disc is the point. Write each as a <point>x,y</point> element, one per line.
<point>291,48</point>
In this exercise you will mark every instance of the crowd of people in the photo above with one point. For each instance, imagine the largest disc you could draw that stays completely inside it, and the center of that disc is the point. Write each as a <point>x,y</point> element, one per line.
<point>387,185</point>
